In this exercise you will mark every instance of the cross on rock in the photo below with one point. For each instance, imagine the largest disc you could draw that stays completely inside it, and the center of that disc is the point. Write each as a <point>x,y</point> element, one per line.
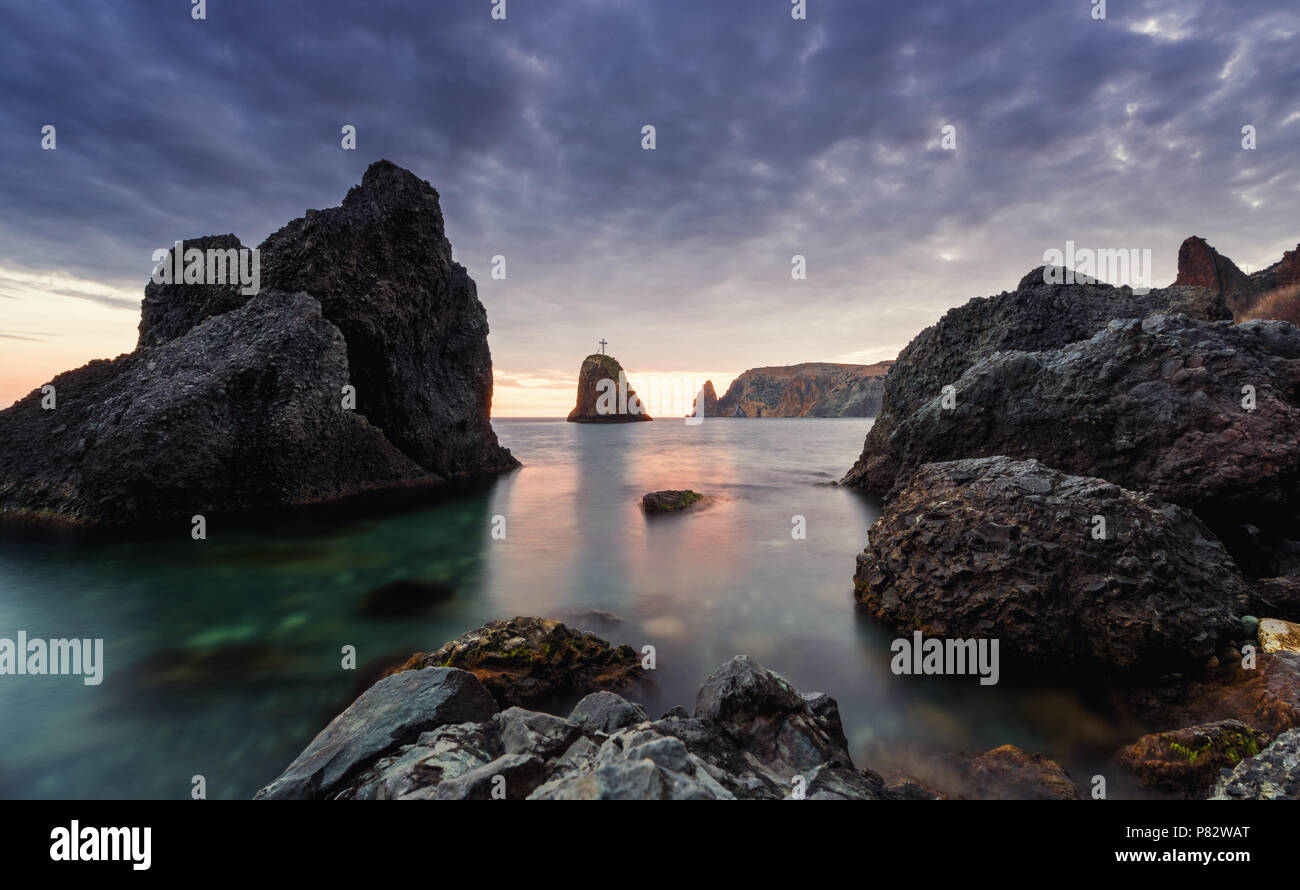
<point>602,346</point>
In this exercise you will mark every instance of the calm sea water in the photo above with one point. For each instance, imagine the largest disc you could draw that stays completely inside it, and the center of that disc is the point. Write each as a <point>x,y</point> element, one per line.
<point>222,657</point>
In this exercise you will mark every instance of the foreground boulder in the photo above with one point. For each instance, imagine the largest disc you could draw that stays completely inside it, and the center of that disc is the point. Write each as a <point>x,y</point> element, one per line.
<point>394,712</point>
<point>1035,316</point>
<point>752,736</point>
<point>1188,761</point>
<point>1273,774</point>
<point>235,401</point>
<point>535,661</point>
<point>1005,549</point>
<point>1159,405</point>
<point>604,395</point>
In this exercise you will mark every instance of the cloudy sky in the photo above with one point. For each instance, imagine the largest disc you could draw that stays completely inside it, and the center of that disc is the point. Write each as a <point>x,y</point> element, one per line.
<point>775,137</point>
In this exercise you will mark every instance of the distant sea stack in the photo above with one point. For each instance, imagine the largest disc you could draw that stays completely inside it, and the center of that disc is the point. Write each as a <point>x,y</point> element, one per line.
<point>362,363</point>
<point>604,395</point>
<point>812,389</point>
<point>710,396</point>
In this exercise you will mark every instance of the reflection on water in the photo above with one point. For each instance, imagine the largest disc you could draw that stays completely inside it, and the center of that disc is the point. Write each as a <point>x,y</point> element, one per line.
<point>223,656</point>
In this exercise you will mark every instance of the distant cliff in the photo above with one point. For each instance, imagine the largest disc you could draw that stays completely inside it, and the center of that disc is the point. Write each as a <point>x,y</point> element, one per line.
<point>812,389</point>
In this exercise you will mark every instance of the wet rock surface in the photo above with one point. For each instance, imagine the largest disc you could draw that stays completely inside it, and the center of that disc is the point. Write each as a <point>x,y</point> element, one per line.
<point>1273,774</point>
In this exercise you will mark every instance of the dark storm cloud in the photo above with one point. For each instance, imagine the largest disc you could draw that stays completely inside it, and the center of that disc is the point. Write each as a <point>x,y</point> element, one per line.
<point>775,137</point>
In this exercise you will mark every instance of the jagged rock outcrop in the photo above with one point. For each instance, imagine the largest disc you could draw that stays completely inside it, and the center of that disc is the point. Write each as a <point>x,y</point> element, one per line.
<point>710,396</point>
<point>812,389</point>
<point>1273,774</point>
<point>604,395</point>
<point>1156,405</point>
<point>535,661</point>
<point>1284,273</point>
<point>998,548</point>
<point>1200,265</point>
<point>752,736</point>
<point>242,411</point>
<point>234,401</point>
<point>1189,761</point>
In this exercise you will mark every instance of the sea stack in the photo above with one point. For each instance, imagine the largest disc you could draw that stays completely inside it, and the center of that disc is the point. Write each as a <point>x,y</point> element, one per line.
<point>604,395</point>
<point>710,397</point>
<point>360,363</point>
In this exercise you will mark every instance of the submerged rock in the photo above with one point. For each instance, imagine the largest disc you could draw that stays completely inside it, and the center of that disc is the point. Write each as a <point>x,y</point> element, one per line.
<point>535,661</point>
<point>1005,549</point>
<point>1005,773</point>
<point>232,401</point>
<point>1188,761</point>
<point>405,598</point>
<point>1273,774</point>
<point>604,395</point>
<point>669,501</point>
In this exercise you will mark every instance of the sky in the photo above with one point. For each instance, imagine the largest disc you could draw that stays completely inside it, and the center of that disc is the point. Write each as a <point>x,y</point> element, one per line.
<point>775,136</point>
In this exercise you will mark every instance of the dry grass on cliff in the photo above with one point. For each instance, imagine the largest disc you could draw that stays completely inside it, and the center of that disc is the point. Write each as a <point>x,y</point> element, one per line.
<point>1282,304</point>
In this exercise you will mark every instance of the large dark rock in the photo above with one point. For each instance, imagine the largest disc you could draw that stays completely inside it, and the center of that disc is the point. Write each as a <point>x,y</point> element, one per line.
<point>241,411</point>
<point>1035,316</point>
<point>382,269</point>
<point>1004,549</point>
<point>1153,405</point>
<point>812,389</point>
<point>235,401</point>
<point>604,394</point>
<point>533,662</point>
<point>394,712</point>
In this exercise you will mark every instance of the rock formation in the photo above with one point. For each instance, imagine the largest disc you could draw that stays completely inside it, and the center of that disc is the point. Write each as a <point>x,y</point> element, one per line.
<point>1035,316</point>
<point>671,501</point>
<point>1154,405</point>
<point>535,661</point>
<point>813,389</point>
<point>1200,265</point>
<point>604,395</point>
<point>234,402</point>
<point>1013,550</point>
<point>430,734</point>
<point>1188,761</point>
<point>710,396</point>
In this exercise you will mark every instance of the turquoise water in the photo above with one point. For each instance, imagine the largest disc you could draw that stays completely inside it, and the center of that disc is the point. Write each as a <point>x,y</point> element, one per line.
<point>223,657</point>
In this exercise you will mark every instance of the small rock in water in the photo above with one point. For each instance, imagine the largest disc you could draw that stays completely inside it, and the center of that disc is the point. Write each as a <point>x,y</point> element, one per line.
<point>1249,625</point>
<point>670,501</point>
<point>405,598</point>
